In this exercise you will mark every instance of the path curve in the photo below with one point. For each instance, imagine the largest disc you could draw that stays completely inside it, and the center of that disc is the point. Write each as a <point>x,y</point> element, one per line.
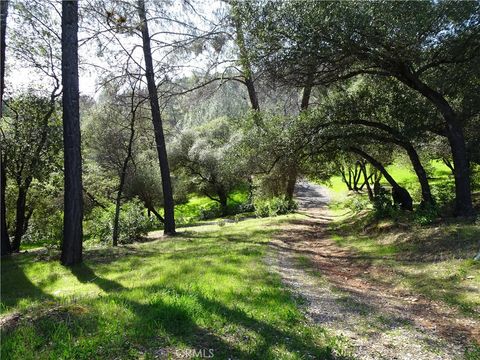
<point>375,324</point>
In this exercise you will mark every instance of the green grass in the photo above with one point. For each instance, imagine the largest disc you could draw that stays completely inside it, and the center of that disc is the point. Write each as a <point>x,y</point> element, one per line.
<point>403,174</point>
<point>191,211</point>
<point>207,288</point>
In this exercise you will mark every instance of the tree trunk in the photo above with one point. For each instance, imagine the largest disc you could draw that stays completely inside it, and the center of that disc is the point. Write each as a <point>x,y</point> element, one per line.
<point>291,181</point>
<point>456,139</point>
<point>400,195</point>
<point>151,209</point>
<point>363,168</point>
<point>222,196</point>
<point>5,240</point>
<point>168,204</point>
<point>244,59</point>
<point>20,217</point>
<point>427,198</point>
<point>73,206</point>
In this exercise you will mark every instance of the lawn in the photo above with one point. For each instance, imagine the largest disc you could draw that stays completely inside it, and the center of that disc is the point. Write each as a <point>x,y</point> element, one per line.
<point>205,291</point>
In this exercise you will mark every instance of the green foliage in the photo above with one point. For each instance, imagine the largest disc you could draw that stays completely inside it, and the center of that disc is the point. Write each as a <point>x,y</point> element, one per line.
<point>356,203</point>
<point>46,230</point>
<point>133,223</point>
<point>382,204</point>
<point>274,206</point>
<point>426,215</point>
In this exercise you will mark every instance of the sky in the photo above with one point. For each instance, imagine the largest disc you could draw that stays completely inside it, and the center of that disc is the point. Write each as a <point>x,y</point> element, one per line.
<point>20,75</point>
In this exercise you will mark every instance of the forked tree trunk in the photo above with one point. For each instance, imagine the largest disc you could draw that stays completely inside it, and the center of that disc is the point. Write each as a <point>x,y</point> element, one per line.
<point>73,207</point>
<point>168,204</point>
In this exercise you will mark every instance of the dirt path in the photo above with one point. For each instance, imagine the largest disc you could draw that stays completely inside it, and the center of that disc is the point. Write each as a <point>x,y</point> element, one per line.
<point>378,322</point>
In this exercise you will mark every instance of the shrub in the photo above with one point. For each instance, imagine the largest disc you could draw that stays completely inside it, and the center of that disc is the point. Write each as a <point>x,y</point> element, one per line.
<point>133,223</point>
<point>274,206</point>
<point>209,211</point>
<point>356,203</point>
<point>382,204</point>
<point>45,229</point>
<point>426,215</point>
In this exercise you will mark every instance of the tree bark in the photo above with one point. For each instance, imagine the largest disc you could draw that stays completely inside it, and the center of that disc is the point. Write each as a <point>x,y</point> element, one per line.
<point>20,217</point>
<point>400,195</point>
<point>168,205</point>
<point>73,206</point>
<point>223,199</point>
<point>245,59</point>
<point>427,198</point>
<point>5,240</point>
<point>456,139</point>
<point>159,217</point>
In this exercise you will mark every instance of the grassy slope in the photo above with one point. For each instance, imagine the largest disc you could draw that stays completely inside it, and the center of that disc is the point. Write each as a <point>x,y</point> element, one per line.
<point>206,288</point>
<point>435,261</point>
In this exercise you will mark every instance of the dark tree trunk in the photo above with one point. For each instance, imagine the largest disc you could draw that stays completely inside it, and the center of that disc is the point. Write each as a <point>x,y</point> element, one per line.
<point>73,206</point>
<point>449,165</point>
<point>456,139</point>
<point>291,181</point>
<point>363,168</point>
<point>5,240</point>
<point>427,198</point>
<point>123,172</point>
<point>159,217</point>
<point>399,194</point>
<point>20,217</point>
<point>223,199</point>
<point>168,204</point>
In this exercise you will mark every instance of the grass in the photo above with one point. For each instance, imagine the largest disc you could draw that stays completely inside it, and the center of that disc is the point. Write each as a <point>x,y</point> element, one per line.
<point>194,209</point>
<point>435,261</point>
<point>205,290</point>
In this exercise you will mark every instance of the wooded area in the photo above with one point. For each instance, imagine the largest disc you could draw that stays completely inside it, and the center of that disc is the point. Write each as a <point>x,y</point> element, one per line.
<point>135,134</point>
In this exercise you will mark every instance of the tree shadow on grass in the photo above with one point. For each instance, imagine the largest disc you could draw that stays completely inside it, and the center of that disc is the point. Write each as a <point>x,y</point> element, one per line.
<point>164,328</point>
<point>16,286</point>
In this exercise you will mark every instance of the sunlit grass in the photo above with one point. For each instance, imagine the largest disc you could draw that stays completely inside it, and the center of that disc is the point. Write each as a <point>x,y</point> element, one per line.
<point>207,288</point>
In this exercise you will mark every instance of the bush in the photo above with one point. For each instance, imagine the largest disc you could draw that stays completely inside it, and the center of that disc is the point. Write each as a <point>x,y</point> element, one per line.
<point>209,211</point>
<point>273,207</point>
<point>45,229</point>
<point>356,203</point>
<point>444,193</point>
<point>426,215</point>
<point>133,223</point>
<point>382,204</point>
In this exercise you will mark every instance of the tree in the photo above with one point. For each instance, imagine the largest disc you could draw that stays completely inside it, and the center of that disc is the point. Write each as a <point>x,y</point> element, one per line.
<point>209,155</point>
<point>169,228</point>
<point>423,45</point>
<point>73,207</point>
<point>32,142</point>
<point>5,241</point>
